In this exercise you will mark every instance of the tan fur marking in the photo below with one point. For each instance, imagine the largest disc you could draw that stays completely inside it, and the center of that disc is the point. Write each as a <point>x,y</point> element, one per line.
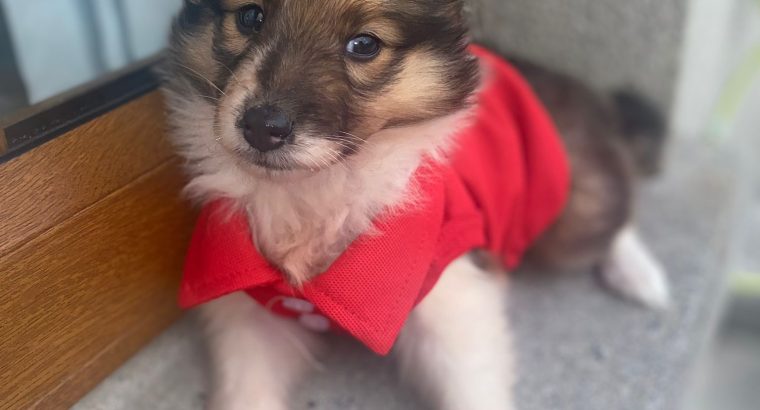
<point>385,30</point>
<point>417,87</point>
<point>364,72</point>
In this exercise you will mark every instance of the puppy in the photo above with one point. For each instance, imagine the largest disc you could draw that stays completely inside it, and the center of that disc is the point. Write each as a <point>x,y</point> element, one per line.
<point>307,125</point>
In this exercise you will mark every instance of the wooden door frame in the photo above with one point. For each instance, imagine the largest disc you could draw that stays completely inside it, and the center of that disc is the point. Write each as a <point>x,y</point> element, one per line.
<point>93,232</point>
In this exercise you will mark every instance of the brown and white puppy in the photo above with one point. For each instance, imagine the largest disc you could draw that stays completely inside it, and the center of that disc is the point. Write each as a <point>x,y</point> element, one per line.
<point>313,115</point>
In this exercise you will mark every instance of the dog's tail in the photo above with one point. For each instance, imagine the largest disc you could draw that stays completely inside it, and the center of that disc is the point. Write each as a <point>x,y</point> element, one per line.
<point>644,128</point>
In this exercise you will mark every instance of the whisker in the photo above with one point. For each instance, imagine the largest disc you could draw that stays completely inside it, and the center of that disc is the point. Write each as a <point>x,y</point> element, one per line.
<point>202,77</point>
<point>310,158</point>
<point>355,140</point>
<point>209,97</point>
<point>354,136</point>
<point>231,72</point>
<point>342,139</point>
<point>353,145</point>
<point>314,162</point>
<point>339,141</point>
<point>343,144</point>
<point>337,157</point>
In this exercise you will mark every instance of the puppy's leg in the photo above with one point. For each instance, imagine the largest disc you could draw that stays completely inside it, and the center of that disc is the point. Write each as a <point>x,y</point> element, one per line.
<point>256,357</point>
<point>456,345</point>
<point>631,270</point>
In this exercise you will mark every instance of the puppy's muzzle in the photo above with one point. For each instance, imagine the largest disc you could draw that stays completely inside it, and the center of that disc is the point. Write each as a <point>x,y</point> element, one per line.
<point>266,128</point>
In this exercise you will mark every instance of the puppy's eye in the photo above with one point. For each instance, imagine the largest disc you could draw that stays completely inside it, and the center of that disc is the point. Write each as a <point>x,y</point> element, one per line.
<point>363,47</point>
<point>251,19</point>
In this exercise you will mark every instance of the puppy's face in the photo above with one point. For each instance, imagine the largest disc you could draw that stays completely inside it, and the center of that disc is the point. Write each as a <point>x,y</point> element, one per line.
<point>303,84</point>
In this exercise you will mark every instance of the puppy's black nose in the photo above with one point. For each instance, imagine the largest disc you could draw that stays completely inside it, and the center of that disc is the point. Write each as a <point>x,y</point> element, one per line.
<point>266,128</point>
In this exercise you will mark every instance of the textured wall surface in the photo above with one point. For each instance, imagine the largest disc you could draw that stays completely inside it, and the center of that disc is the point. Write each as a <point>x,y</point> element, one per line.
<point>610,43</point>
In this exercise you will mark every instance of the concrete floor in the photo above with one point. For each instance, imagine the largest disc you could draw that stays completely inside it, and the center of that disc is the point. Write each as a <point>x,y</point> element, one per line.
<point>729,377</point>
<point>578,347</point>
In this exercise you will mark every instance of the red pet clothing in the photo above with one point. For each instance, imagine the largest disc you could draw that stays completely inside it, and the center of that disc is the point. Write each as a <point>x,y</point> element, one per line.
<point>506,183</point>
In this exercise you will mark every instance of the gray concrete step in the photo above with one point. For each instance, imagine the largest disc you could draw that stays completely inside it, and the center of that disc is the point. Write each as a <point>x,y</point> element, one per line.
<point>579,347</point>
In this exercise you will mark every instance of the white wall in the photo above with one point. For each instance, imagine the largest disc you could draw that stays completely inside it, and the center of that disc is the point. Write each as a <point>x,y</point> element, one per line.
<point>607,43</point>
<point>148,19</point>
<point>719,35</point>
<point>52,41</point>
<point>48,39</point>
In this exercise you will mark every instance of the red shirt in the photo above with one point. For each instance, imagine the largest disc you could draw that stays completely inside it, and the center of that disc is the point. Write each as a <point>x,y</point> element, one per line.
<point>505,184</point>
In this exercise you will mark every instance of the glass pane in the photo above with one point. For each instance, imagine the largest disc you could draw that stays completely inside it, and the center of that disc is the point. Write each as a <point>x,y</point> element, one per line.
<point>48,47</point>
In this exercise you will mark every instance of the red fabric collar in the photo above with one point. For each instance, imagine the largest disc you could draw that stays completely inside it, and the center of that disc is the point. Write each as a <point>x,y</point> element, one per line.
<point>503,188</point>
<point>368,292</point>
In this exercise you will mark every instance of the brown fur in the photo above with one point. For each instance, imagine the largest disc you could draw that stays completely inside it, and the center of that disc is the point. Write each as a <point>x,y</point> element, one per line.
<point>423,71</point>
<point>601,198</point>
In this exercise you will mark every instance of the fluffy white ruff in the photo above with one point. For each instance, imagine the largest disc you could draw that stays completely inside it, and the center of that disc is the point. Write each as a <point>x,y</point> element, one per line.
<point>257,358</point>
<point>457,344</point>
<point>304,220</point>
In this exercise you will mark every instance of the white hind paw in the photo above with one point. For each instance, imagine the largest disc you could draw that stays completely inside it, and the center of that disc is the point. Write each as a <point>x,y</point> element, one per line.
<point>633,272</point>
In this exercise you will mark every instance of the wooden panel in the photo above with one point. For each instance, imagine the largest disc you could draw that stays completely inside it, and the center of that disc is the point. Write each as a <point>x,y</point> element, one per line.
<point>55,181</point>
<point>78,300</point>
